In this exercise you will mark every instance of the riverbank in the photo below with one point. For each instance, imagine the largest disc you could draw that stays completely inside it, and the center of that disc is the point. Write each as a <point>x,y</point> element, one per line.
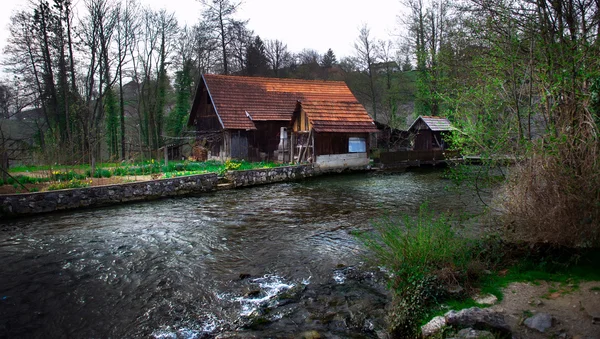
<point>23,204</point>
<point>527,302</point>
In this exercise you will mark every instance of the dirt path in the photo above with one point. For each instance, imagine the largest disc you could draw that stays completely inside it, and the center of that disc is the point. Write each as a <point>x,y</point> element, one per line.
<point>575,308</point>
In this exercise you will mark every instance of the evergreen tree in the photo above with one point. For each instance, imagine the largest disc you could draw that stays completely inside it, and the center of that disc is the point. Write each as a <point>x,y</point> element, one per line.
<point>183,92</point>
<point>256,58</point>
<point>329,59</point>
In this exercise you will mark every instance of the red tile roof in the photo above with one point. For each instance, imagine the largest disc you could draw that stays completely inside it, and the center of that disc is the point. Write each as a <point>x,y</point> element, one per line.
<point>241,100</point>
<point>342,116</point>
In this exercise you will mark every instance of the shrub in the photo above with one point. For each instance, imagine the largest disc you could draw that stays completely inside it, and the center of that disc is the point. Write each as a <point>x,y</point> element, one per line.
<point>417,245</point>
<point>554,196</point>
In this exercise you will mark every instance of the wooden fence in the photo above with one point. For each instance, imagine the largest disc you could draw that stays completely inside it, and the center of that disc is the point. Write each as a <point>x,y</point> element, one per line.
<point>428,156</point>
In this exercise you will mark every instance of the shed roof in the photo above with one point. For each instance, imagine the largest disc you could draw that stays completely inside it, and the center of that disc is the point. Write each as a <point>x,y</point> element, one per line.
<point>342,116</point>
<point>239,101</point>
<point>436,124</point>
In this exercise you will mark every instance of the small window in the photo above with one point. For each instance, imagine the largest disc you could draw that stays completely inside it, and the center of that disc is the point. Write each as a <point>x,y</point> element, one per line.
<point>357,145</point>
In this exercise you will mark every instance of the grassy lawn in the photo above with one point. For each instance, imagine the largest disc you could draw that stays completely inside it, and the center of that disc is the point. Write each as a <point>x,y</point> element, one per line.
<point>52,177</point>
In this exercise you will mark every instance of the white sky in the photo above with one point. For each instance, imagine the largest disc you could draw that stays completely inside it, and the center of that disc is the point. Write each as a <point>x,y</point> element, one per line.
<point>315,24</point>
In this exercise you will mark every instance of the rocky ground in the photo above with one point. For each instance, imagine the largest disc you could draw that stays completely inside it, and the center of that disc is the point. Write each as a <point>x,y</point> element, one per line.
<point>561,310</point>
<point>529,310</point>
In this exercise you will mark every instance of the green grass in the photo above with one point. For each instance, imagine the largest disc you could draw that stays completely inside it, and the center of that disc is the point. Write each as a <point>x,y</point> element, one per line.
<point>107,170</point>
<point>23,179</point>
<point>76,176</point>
<point>417,246</point>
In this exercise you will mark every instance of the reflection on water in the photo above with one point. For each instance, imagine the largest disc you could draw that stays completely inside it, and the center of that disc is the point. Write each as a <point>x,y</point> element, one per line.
<point>171,268</point>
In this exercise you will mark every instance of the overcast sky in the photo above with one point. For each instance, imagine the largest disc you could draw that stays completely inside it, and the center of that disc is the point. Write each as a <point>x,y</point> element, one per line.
<point>315,24</point>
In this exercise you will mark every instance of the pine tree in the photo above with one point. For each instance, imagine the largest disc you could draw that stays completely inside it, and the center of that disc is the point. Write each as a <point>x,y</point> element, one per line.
<point>329,59</point>
<point>256,58</point>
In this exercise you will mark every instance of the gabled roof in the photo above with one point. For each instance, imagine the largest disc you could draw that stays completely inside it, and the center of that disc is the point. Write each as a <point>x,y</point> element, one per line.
<point>342,116</point>
<point>436,124</point>
<point>239,101</point>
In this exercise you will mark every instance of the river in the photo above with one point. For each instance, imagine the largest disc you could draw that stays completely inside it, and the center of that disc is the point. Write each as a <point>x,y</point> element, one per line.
<point>199,266</point>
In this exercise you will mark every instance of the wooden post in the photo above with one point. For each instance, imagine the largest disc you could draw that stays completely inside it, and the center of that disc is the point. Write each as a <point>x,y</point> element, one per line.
<point>166,155</point>
<point>93,165</point>
<point>4,166</point>
<point>292,144</point>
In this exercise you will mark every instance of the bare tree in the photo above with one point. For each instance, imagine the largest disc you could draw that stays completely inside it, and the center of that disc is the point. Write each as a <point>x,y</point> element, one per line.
<point>366,54</point>
<point>218,15</point>
<point>206,48</point>
<point>277,55</point>
<point>127,26</point>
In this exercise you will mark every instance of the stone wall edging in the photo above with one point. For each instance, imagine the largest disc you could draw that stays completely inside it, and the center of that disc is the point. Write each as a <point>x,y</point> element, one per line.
<point>271,175</point>
<point>42,202</point>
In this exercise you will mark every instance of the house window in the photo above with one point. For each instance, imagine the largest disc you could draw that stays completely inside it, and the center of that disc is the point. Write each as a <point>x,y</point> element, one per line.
<point>357,145</point>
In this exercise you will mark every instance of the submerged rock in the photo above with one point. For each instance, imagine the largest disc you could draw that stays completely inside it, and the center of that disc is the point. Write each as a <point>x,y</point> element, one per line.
<point>284,309</point>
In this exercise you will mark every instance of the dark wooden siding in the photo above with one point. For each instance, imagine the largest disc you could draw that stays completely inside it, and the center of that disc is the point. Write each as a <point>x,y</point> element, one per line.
<point>265,139</point>
<point>239,145</point>
<point>206,117</point>
<point>209,131</point>
<point>423,140</point>
<point>429,140</point>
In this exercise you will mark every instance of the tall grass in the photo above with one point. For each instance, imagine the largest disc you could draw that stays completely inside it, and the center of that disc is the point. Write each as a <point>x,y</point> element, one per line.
<point>418,245</point>
<point>428,259</point>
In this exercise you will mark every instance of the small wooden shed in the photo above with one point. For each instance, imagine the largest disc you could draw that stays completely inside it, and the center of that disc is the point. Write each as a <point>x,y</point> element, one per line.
<point>429,133</point>
<point>331,133</point>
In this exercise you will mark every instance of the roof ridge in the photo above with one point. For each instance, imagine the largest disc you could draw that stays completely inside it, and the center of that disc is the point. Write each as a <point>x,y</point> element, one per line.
<point>276,79</point>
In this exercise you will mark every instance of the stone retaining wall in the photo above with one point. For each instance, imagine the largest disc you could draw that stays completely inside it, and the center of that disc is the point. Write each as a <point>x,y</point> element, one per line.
<point>33,203</point>
<point>42,202</point>
<point>271,175</point>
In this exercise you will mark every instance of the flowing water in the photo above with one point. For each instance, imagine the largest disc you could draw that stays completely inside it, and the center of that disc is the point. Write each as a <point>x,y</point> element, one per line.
<point>193,267</point>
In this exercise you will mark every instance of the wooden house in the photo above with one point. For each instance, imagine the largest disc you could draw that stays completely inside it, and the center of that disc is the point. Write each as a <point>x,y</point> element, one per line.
<point>429,132</point>
<point>250,118</point>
